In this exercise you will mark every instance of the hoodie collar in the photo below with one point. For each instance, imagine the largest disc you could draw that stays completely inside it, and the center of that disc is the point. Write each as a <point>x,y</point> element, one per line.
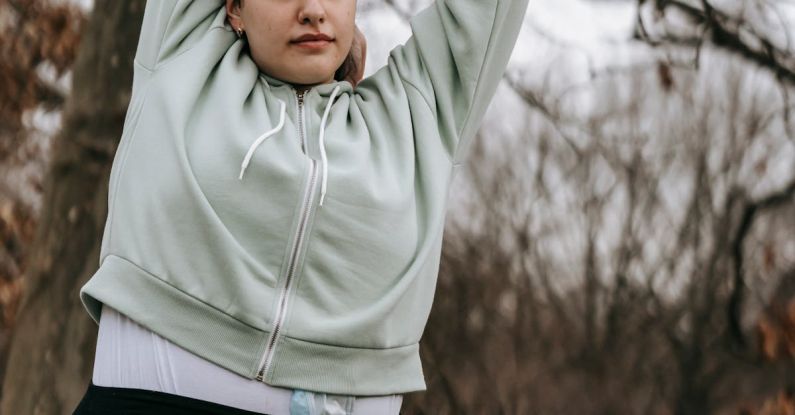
<point>323,90</point>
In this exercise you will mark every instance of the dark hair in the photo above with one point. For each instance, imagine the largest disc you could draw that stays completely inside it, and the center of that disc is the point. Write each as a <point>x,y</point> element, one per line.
<point>348,65</point>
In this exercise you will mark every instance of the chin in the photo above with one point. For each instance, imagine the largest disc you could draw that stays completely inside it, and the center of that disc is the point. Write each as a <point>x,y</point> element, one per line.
<point>320,73</point>
<point>313,80</point>
<point>298,74</point>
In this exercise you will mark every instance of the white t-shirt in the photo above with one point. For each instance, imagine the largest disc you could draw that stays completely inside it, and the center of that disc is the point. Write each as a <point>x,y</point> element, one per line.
<point>131,356</point>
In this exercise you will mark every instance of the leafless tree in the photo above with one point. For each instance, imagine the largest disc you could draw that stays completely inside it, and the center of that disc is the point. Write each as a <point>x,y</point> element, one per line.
<point>52,347</point>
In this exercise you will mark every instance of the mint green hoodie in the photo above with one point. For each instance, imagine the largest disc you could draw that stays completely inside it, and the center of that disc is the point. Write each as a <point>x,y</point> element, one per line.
<point>293,239</point>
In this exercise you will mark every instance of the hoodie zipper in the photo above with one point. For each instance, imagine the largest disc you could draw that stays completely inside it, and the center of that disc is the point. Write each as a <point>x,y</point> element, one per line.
<point>309,192</point>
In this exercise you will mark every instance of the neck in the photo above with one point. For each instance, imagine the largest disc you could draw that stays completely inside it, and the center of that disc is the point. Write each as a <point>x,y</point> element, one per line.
<point>303,87</point>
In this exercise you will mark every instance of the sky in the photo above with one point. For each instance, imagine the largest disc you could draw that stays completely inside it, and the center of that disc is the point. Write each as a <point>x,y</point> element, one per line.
<point>579,35</point>
<point>588,26</point>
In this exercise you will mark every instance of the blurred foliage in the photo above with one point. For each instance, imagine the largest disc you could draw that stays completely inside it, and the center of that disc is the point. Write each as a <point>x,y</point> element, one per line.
<point>38,44</point>
<point>35,36</point>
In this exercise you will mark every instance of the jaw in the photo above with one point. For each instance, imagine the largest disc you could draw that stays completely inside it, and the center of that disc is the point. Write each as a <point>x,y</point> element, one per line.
<point>309,68</point>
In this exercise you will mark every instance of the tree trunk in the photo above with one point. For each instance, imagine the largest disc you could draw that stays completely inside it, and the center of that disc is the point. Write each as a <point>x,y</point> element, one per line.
<point>52,347</point>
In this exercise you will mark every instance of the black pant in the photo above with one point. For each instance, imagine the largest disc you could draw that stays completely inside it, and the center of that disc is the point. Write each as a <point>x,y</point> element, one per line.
<point>106,400</point>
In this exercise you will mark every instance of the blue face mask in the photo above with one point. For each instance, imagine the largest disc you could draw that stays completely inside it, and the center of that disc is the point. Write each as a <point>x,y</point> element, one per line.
<point>311,403</point>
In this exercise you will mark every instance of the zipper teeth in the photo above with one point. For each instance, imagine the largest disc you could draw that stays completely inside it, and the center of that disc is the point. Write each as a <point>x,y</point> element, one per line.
<point>301,119</point>
<point>307,202</point>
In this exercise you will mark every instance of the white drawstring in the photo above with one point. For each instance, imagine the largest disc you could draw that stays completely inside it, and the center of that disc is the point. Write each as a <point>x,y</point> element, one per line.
<point>279,127</point>
<point>322,146</point>
<point>260,140</point>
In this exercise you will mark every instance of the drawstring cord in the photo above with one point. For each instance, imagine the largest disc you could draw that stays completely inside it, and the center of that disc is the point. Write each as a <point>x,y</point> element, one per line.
<point>260,140</point>
<point>322,146</point>
<point>276,129</point>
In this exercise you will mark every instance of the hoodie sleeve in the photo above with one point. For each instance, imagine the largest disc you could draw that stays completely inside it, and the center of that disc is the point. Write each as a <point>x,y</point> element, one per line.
<point>456,57</point>
<point>171,27</point>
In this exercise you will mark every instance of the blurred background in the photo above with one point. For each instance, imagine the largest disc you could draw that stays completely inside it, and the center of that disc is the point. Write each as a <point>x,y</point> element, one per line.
<point>621,241</point>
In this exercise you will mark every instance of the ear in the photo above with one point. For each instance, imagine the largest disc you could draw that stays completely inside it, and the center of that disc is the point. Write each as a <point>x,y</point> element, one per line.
<point>233,14</point>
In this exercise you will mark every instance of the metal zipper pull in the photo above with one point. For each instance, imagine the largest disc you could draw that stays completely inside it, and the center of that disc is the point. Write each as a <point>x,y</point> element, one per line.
<point>300,95</point>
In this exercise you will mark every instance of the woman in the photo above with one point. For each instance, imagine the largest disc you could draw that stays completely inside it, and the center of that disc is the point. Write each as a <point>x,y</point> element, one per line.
<point>274,225</point>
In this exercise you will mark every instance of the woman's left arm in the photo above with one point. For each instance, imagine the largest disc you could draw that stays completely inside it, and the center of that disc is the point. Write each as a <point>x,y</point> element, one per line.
<point>455,59</point>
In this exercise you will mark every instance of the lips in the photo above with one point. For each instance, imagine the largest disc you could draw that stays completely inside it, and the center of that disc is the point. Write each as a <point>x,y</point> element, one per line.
<point>309,37</point>
<point>313,42</point>
<point>312,45</point>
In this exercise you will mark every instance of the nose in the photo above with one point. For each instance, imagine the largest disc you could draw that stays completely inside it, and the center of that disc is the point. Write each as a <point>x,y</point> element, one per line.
<point>312,12</point>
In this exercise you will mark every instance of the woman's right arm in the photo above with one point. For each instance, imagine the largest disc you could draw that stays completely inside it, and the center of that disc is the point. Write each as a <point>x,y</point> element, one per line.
<point>172,26</point>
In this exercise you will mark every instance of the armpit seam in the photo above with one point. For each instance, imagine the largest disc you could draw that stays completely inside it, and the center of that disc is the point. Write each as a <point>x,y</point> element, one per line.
<point>142,66</point>
<point>167,61</point>
<point>424,98</point>
<point>160,42</point>
<point>160,64</point>
<point>428,104</point>
<point>489,46</point>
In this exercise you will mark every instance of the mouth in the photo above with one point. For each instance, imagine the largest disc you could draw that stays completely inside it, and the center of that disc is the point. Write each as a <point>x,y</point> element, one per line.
<point>312,41</point>
<point>315,44</point>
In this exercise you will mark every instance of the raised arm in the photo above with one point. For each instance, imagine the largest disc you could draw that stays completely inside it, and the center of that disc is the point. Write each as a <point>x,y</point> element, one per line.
<point>456,57</point>
<point>172,26</point>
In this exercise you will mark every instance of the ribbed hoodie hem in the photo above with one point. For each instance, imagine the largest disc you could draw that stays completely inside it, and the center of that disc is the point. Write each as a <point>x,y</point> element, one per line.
<point>228,342</point>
